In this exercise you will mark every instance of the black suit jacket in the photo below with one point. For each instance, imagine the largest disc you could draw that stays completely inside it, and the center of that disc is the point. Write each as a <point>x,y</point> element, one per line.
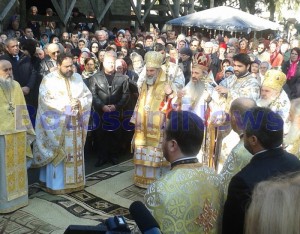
<point>262,167</point>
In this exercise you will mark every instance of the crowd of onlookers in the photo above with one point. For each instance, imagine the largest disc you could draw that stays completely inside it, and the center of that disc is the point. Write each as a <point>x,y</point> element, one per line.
<point>86,40</point>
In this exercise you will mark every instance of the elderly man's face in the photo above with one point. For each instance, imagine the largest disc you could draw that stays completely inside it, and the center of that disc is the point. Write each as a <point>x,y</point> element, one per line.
<point>101,36</point>
<point>151,72</point>
<point>263,68</point>
<point>267,93</point>
<point>208,49</point>
<point>53,51</point>
<point>13,48</point>
<point>109,64</point>
<point>6,70</point>
<point>197,74</point>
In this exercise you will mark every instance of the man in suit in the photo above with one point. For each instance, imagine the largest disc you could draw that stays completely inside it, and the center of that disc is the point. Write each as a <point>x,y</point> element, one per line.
<point>263,137</point>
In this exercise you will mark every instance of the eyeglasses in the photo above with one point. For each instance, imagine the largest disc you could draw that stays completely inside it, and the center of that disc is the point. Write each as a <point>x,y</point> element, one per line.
<point>124,41</point>
<point>55,52</point>
<point>90,64</point>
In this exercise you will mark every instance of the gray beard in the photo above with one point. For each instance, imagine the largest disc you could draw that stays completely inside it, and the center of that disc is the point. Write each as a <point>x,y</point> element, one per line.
<point>7,83</point>
<point>150,80</point>
<point>195,89</point>
<point>264,102</point>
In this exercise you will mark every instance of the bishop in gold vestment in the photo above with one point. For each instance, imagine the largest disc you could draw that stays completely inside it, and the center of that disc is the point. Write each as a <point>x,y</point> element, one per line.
<point>16,135</point>
<point>61,128</point>
<point>149,122</point>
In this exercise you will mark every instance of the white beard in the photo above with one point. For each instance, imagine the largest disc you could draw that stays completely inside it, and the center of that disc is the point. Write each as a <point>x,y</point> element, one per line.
<point>195,89</point>
<point>150,80</point>
<point>7,83</point>
<point>293,135</point>
<point>264,102</point>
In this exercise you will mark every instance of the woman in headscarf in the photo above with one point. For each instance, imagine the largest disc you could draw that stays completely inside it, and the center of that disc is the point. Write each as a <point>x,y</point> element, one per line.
<point>292,70</point>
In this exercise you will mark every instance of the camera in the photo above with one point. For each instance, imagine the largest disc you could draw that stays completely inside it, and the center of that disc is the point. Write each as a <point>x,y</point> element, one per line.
<point>113,225</point>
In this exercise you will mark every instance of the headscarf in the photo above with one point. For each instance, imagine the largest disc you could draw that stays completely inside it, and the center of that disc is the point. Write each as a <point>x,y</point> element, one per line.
<point>293,66</point>
<point>123,64</point>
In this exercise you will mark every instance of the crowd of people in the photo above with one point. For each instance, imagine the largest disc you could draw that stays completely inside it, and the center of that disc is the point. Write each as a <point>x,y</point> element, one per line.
<point>209,120</point>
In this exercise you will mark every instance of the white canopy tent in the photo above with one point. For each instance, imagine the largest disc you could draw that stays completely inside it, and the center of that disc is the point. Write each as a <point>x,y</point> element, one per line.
<point>225,18</point>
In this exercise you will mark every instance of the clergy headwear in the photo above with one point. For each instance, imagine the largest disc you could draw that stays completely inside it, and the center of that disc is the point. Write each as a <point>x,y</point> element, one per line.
<point>274,79</point>
<point>154,59</point>
<point>201,60</point>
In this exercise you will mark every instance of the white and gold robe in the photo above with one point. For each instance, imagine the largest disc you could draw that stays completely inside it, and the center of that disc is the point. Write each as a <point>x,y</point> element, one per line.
<point>237,159</point>
<point>210,112</point>
<point>281,105</point>
<point>188,199</point>
<point>16,135</point>
<point>149,120</point>
<point>294,148</point>
<point>246,86</point>
<point>61,134</point>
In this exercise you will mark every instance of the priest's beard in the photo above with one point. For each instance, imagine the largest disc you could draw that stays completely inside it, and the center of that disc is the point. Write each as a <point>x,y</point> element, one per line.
<point>293,134</point>
<point>265,102</point>
<point>67,74</point>
<point>7,83</point>
<point>150,80</point>
<point>195,89</point>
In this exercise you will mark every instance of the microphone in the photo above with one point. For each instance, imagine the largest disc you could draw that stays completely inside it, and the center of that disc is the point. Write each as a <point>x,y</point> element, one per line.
<point>143,218</point>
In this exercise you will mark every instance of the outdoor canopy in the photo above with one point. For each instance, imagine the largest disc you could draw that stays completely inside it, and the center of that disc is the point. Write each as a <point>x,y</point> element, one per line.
<point>225,18</point>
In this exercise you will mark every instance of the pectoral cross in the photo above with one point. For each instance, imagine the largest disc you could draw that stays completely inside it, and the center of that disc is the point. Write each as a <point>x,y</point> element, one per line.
<point>11,108</point>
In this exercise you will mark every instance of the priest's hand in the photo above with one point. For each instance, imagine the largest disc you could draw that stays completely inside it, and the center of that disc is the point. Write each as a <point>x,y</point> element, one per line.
<point>221,89</point>
<point>106,108</point>
<point>206,96</point>
<point>25,90</point>
<point>168,89</point>
<point>180,93</point>
<point>75,103</point>
<point>112,107</point>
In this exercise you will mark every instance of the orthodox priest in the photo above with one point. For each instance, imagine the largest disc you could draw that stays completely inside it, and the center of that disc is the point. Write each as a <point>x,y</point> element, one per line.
<point>16,135</point>
<point>273,96</point>
<point>198,97</point>
<point>149,122</point>
<point>61,128</point>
